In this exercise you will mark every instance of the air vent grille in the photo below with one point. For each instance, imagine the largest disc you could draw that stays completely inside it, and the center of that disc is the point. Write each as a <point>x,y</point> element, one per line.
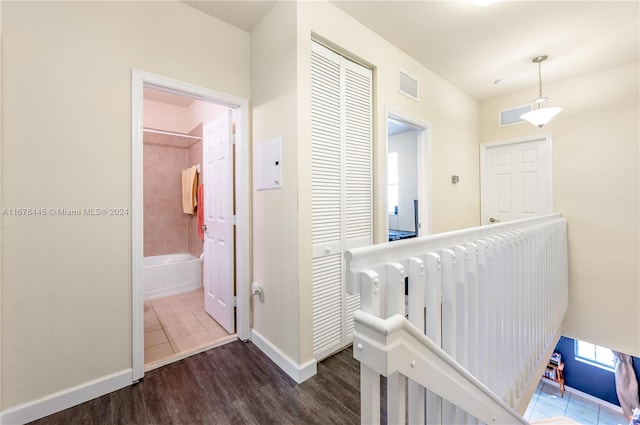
<point>407,85</point>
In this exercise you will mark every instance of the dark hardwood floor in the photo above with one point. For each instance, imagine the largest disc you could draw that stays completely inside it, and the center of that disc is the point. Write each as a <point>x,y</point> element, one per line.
<point>232,384</point>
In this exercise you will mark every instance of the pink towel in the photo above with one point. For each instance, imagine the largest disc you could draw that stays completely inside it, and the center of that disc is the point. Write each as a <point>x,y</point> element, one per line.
<point>201,211</point>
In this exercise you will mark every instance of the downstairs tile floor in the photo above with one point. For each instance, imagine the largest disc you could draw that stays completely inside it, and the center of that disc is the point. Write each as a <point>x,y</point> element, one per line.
<point>177,326</point>
<point>547,403</point>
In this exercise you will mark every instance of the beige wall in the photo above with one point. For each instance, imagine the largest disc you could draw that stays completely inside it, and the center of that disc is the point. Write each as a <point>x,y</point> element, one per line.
<point>275,212</point>
<point>66,142</point>
<point>596,187</point>
<point>281,49</point>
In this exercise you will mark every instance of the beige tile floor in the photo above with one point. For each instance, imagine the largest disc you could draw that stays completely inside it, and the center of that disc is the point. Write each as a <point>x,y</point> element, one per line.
<point>547,403</point>
<point>177,326</point>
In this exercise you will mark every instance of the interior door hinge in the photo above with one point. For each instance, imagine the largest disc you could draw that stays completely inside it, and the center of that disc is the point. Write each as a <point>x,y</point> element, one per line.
<point>233,139</point>
<point>233,220</point>
<point>234,301</point>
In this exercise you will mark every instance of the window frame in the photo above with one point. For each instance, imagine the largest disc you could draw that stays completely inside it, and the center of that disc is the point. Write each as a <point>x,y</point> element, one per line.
<point>592,361</point>
<point>392,182</point>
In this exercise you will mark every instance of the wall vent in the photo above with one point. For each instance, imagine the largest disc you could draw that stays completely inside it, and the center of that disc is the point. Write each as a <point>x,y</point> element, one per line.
<point>512,116</point>
<point>407,85</point>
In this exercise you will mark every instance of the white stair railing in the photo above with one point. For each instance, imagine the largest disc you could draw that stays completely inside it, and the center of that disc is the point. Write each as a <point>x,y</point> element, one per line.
<point>492,298</point>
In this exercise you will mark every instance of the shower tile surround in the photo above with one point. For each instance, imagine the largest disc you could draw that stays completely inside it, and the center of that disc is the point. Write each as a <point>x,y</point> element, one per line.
<point>167,229</point>
<point>177,326</point>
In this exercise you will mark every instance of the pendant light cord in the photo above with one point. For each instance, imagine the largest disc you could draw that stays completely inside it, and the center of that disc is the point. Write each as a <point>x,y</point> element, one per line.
<point>539,79</point>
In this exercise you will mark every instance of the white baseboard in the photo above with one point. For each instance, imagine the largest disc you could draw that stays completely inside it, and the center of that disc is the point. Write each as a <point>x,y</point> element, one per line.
<point>52,403</point>
<point>601,402</point>
<point>589,397</point>
<point>297,372</point>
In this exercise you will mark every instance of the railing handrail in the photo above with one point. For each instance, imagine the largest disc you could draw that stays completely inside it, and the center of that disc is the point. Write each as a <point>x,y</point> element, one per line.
<point>364,257</point>
<point>423,361</point>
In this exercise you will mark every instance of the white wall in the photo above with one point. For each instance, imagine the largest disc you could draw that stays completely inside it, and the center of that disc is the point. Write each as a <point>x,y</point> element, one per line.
<point>596,187</point>
<point>406,145</point>
<point>66,142</point>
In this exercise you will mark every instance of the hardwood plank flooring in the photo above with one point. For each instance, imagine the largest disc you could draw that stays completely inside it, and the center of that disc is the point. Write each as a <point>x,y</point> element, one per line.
<point>232,384</point>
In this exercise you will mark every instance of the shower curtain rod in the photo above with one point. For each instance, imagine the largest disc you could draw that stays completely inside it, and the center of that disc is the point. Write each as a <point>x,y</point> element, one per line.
<point>170,133</point>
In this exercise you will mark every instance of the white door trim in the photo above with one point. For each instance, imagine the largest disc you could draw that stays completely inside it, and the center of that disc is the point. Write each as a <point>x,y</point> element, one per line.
<point>424,168</point>
<point>546,137</point>
<point>139,79</point>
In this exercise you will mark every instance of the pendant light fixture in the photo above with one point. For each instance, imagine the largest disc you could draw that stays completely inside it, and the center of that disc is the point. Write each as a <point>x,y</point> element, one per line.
<point>540,116</point>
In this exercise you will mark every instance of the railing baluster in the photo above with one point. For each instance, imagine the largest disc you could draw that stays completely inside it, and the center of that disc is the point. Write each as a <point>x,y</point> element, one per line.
<point>369,378</point>
<point>460,312</point>
<point>460,306</point>
<point>473,317</point>
<point>449,323</point>
<point>493,299</point>
<point>433,303</point>
<point>500,309</point>
<point>396,383</point>
<point>417,288</point>
<point>492,311</point>
<point>394,290</point>
<point>483,314</point>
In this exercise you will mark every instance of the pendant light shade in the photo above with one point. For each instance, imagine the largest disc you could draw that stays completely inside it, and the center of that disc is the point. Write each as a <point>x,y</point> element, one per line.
<point>540,116</point>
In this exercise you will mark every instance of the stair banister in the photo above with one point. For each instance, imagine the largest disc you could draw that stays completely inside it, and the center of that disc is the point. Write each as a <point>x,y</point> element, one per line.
<point>476,295</point>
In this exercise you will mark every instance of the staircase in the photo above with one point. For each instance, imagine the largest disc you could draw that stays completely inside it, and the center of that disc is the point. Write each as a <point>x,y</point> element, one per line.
<point>461,324</point>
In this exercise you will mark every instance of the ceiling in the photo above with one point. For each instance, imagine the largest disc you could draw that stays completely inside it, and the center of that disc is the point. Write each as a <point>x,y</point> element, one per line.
<point>472,46</point>
<point>244,14</point>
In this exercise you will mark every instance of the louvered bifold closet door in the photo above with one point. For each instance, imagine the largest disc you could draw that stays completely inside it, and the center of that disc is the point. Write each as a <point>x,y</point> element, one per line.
<point>357,166</point>
<point>326,200</point>
<point>340,167</point>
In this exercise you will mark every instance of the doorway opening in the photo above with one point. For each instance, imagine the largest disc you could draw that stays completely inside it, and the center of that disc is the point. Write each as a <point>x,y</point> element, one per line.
<point>176,320</point>
<point>408,184</point>
<point>173,269</point>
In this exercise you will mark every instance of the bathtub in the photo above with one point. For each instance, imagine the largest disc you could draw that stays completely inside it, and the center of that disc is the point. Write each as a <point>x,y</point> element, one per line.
<point>171,274</point>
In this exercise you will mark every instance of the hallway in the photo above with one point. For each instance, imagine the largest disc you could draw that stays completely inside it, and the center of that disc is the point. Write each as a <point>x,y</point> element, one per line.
<point>237,384</point>
<point>231,384</point>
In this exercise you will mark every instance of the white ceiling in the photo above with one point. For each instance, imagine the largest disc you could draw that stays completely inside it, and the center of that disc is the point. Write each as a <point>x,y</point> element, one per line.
<point>473,46</point>
<point>244,14</point>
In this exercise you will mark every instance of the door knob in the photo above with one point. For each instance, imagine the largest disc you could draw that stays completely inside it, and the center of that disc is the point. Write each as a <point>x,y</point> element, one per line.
<point>494,220</point>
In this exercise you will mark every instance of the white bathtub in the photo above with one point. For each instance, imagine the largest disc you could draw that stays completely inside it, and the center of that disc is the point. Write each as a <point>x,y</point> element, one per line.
<point>171,274</point>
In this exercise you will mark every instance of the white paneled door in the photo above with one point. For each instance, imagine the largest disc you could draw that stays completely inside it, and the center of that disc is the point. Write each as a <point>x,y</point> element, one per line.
<point>341,192</point>
<point>516,179</point>
<point>217,157</point>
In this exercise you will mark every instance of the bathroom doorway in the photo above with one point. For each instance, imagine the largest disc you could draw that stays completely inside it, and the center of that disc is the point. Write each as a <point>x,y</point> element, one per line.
<point>169,318</point>
<point>176,323</point>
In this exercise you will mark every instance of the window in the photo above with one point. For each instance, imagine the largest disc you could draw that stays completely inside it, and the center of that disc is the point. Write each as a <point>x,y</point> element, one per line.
<point>594,354</point>
<point>392,182</point>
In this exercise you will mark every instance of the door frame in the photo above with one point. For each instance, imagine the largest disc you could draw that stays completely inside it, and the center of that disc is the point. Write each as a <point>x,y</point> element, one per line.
<point>140,79</point>
<point>424,169</point>
<point>484,178</point>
